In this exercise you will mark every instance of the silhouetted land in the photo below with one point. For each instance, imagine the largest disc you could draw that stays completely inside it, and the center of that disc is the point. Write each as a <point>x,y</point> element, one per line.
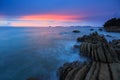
<point>112,25</point>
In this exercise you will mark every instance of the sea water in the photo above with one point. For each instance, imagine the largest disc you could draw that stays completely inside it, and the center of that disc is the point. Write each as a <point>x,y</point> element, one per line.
<point>39,52</point>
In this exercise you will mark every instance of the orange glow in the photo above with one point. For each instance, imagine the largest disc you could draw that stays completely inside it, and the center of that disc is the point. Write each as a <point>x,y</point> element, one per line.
<point>44,20</point>
<point>49,17</point>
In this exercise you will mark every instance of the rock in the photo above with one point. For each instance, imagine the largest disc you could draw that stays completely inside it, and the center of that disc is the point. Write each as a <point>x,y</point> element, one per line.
<point>116,45</point>
<point>99,52</point>
<point>103,64</point>
<point>76,31</point>
<point>108,35</point>
<point>112,25</point>
<point>91,29</point>
<point>92,38</point>
<point>68,67</point>
<point>32,78</point>
<point>76,46</point>
<point>100,29</point>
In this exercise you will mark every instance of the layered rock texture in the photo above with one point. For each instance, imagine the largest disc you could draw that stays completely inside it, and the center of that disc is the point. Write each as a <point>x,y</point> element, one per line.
<point>103,64</point>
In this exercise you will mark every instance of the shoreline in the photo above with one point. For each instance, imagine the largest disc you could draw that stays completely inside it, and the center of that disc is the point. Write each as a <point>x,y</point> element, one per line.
<point>104,60</point>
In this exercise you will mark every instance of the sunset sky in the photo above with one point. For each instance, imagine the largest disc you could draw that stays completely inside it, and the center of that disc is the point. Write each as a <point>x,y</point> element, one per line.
<point>57,12</point>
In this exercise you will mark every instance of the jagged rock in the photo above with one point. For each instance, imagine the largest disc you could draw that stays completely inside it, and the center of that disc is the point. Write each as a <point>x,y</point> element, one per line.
<point>104,63</point>
<point>92,38</point>
<point>67,67</point>
<point>116,45</point>
<point>94,71</point>
<point>98,52</point>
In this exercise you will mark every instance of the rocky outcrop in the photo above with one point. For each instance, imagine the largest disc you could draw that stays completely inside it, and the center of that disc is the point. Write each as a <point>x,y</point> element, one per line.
<point>101,52</point>
<point>103,63</point>
<point>112,25</point>
<point>92,38</point>
<point>69,70</point>
<point>116,45</point>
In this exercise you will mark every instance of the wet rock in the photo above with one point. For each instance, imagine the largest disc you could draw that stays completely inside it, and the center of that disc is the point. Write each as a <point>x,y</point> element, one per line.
<point>92,38</point>
<point>76,46</point>
<point>32,78</point>
<point>76,31</point>
<point>116,45</point>
<point>104,63</point>
<point>108,35</point>
<point>100,29</point>
<point>91,29</point>
<point>67,67</point>
<point>99,52</point>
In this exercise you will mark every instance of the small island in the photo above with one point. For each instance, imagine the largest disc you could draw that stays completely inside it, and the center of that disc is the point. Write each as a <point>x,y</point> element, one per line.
<point>112,25</point>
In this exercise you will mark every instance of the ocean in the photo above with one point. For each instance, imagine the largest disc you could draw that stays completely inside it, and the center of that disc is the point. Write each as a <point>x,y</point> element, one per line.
<point>39,52</point>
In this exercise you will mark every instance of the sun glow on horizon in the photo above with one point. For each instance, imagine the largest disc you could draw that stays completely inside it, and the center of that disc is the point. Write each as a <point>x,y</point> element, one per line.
<point>44,20</point>
<point>50,17</point>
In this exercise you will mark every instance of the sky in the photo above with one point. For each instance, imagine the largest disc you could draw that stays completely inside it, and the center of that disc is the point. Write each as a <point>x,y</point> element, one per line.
<point>39,13</point>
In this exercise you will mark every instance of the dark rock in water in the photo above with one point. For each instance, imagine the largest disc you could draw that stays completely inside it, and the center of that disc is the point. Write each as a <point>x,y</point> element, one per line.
<point>100,29</point>
<point>108,35</point>
<point>76,31</point>
<point>91,29</point>
<point>112,25</point>
<point>32,78</point>
<point>76,46</point>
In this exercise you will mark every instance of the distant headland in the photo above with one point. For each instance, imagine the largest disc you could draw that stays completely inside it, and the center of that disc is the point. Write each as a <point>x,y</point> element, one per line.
<point>112,25</point>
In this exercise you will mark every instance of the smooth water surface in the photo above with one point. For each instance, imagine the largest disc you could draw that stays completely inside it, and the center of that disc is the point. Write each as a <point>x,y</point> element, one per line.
<point>38,52</point>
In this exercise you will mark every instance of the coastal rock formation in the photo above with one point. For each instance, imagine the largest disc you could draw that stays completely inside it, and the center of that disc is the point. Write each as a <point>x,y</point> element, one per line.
<point>103,63</point>
<point>116,45</point>
<point>92,38</point>
<point>112,25</point>
<point>99,52</point>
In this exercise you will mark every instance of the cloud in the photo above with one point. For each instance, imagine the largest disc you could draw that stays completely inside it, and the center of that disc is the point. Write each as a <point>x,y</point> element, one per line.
<point>65,11</point>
